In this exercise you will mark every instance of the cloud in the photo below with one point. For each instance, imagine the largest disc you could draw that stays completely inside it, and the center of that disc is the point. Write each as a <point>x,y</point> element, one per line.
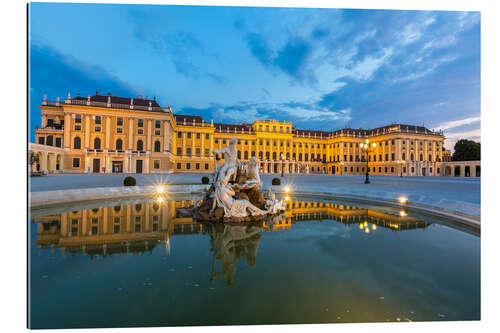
<point>307,115</point>
<point>456,123</point>
<point>183,48</point>
<point>55,74</point>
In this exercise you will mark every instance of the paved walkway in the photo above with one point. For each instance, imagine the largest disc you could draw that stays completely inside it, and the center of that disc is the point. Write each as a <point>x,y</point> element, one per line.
<point>460,194</point>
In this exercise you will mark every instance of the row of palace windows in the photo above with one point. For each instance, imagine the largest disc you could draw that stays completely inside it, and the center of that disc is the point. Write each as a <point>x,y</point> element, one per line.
<point>361,158</point>
<point>188,166</point>
<point>49,141</point>
<point>189,135</point>
<point>189,152</point>
<point>76,163</point>
<point>119,121</point>
<point>77,144</point>
<point>287,129</point>
<point>274,143</point>
<point>386,143</point>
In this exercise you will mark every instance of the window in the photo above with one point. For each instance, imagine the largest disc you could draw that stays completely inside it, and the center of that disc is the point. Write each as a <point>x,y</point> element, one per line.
<point>76,162</point>
<point>117,229</point>
<point>197,166</point>
<point>207,152</point>
<point>97,120</point>
<point>140,131</point>
<point>97,129</point>
<point>189,135</point>
<point>119,144</point>
<point>188,151</point>
<point>157,146</point>
<point>140,122</point>
<point>41,140</point>
<point>404,156</point>
<point>393,157</point>
<point>156,164</point>
<point>206,166</point>
<point>77,143</point>
<point>119,121</point>
<point>97,143</point>
<point>386,157</point>
<point>188,166</point>
<point>157,124</point>
<point>207,136</point>
<point>119,130</point>
<point>198,135</point>
<point>50,140</point>
<point>58,142</point>
<point>198,152</point>
<point>179,135</point>
<point>179,151</point>
<point>78,119</point>
<point>140,145</point>
<point>178,166</point>
<point>157,132</point>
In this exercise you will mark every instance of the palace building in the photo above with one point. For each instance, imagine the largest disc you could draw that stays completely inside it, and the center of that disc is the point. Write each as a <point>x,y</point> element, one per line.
<point>110,134</point>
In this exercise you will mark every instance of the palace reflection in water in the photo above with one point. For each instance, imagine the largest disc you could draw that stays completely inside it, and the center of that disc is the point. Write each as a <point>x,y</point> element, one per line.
<point>139,228</point>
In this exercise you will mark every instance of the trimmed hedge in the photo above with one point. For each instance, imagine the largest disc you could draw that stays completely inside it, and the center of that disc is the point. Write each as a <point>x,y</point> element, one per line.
<point>129,181</point>
<point>205,180</point>
<point>276,181</point>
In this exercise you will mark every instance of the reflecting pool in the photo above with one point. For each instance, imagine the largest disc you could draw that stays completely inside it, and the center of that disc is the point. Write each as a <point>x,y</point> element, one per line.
<point>138,263</point>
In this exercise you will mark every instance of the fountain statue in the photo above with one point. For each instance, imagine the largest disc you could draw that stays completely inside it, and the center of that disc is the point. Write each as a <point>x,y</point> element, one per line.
<point>234,194</point>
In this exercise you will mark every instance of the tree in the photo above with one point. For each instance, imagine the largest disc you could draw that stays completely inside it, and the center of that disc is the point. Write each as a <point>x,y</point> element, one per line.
<point>467,150</point>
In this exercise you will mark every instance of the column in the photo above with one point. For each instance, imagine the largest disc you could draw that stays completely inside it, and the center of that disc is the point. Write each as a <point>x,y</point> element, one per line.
<point>166,136</point>
<point>43,162</point>
<point>128,217</point>
<point>131,133</point>
<point>147,224</point>
<point>184,137</point>
<point>67,129</point>
<point>84,222</point>
<point>149,135</point>
<point>108,131</point>
<point>105,220</point>
<point>125,164</point>
<point>64,224</point>
<point>87,132</point>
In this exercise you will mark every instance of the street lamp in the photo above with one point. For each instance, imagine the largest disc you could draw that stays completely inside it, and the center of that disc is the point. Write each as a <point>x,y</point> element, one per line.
<point>282,159</point>
<point>368,149</point>
<point>401,168</point>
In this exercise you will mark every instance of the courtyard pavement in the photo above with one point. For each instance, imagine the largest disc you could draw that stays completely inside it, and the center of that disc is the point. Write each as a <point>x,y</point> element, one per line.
<point>459,194</point>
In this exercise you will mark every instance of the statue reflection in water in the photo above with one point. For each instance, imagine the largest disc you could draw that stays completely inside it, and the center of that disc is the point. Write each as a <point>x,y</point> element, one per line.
<point>230,243</point>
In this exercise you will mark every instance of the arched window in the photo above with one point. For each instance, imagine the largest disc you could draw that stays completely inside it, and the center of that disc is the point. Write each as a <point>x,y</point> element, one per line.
<point>97,143</point>
<point>411,157</point>
<point>77,143</point>
<point>119,144</point>
<point>260,155</point>
<point>404,156</point>
<point>50,140</point>
<point>246,155</point>
<point>140,146</point>
<point>421,157</point>
<point>157,146</point>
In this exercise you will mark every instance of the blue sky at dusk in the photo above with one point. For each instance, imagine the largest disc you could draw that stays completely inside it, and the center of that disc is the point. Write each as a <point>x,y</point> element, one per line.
<point>320,68</point>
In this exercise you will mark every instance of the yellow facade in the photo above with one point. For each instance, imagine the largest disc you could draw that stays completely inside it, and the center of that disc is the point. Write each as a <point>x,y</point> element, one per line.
<point>108,134</point>
<point>114,134</point>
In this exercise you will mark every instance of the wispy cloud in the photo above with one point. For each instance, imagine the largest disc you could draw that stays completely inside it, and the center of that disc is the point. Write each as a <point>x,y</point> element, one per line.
<point>457,123</point>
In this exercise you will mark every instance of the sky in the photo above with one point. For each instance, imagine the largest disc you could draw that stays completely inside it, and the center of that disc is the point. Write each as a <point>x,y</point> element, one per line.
<point>319,68</point>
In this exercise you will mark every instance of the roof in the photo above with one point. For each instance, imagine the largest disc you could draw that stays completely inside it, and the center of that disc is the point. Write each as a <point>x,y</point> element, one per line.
<point>119,100</point>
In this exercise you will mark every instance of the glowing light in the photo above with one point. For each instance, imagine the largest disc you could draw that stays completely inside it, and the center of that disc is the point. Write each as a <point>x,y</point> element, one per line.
<point>361,145</point>
<point>287,198</point>
<point>159,199</point>
<point>367,230</point>
<point>402,213</point>
<point>287,189</point>
<point>366,224</point>
<point>361,226</point>
<point>367,141</point>
<point>374,227</point>
<point>160,189</point>
<point>403,200</point>
<point>374,144</point>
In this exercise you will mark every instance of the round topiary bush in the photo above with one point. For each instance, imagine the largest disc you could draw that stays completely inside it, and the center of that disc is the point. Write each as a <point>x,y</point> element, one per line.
<point>129,181</point>
<point>204,180</point>
<point>276,181</point>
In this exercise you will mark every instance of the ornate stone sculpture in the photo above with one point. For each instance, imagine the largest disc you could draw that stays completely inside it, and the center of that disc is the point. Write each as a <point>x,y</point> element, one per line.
<point>234,195</point>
